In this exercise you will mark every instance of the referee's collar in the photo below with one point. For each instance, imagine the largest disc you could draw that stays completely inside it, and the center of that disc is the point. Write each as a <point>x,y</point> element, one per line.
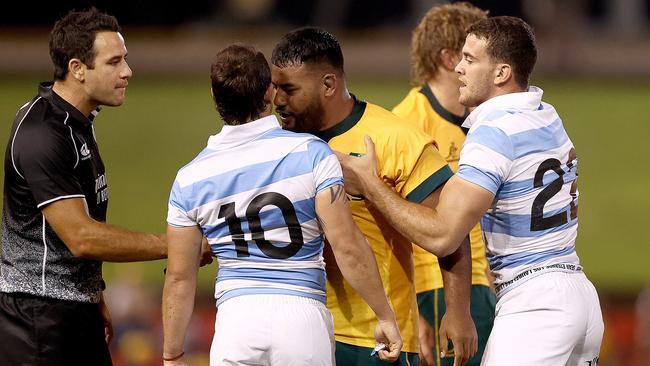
<point>231,136</point>
<point>45,91</point>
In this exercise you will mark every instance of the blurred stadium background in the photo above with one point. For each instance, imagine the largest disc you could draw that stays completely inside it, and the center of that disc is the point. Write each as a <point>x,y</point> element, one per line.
<point>594,66</point>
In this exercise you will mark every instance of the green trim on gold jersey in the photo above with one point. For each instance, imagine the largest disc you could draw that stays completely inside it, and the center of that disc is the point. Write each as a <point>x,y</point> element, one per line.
<point>349,121</point>
<point>430,184</point>
<point>457,120</point>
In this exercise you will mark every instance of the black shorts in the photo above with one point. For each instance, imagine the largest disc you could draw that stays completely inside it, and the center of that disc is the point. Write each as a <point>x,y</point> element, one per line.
<point>39,331</point>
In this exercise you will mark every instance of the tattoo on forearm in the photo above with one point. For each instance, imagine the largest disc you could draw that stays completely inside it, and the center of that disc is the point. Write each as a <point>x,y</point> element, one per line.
<point>336,192</point>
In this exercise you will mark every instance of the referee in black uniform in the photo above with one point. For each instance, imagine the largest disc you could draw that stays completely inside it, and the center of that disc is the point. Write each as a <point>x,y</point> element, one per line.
<point>55,197</point>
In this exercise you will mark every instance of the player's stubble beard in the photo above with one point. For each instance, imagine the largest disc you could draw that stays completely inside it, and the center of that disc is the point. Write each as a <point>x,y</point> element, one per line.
<point>310,120</point>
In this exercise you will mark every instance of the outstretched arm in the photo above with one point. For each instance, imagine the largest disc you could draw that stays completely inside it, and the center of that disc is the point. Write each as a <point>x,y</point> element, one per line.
<point>91,239</point>
<point>356,261</point>
<point>439,230</point>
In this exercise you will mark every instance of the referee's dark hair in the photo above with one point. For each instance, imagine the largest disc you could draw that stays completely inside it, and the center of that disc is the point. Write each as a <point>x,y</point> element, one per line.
<point>73,36</point>
<point>240,78</point>
<point>308,45</point>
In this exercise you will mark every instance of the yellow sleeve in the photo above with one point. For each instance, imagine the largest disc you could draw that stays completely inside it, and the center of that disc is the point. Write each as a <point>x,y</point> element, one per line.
<point>408,159</point>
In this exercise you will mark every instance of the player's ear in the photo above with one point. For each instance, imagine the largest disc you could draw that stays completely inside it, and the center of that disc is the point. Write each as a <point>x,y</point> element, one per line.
<point>449,59</point>
<point>329,84</point>
<point>77,69</point>
<point>503,74</point>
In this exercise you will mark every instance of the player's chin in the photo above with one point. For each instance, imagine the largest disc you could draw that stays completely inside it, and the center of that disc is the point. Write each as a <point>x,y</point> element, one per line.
<point>465,98</point>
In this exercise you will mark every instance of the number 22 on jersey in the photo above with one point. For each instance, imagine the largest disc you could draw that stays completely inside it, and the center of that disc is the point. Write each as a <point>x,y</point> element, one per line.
<point>537,220</point>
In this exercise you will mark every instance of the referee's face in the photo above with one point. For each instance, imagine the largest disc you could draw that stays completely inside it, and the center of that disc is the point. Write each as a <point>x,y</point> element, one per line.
<point>105,83</point>
<point>297,97</point>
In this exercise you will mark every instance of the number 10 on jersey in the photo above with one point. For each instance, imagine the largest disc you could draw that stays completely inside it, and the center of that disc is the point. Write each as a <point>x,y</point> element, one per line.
<point>253,210</point>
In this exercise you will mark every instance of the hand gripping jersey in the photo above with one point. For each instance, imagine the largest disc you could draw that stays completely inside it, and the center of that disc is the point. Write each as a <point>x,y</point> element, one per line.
<point>407,158</point>
<point>517,148</point>
<point>252,191</point>
<point>421,109</point>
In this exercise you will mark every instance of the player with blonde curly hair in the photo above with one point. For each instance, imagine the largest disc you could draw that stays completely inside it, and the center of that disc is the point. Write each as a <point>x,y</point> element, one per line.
<point>432,105</point>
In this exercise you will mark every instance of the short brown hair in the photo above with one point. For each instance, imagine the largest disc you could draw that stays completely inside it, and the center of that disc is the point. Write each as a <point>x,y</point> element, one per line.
<point>442,27</point>
<point>509,40</point>
<point>73,36</point>
<point>240,77</point>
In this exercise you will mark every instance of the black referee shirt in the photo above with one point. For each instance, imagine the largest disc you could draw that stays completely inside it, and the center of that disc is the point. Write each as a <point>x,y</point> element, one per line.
<point>51,155</point>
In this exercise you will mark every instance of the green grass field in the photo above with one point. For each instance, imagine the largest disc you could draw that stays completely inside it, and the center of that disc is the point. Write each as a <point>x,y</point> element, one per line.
<point>165,122</point>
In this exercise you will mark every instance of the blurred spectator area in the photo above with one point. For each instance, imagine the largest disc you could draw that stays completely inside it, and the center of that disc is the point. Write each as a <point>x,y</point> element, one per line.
<point>576,37</point>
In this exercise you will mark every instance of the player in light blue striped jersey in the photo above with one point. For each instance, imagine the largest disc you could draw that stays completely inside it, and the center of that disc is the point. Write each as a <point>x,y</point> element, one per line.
<point>263,197</point>
<point>518,175</point>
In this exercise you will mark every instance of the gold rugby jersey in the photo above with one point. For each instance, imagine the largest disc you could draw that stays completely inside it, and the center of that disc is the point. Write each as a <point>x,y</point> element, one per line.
<point>421,109</point>
<point>408,159</point>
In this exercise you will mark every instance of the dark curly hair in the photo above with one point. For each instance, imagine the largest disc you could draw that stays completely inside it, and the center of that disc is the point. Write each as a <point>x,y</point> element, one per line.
<point>73,36</point>
<point>308,45</point>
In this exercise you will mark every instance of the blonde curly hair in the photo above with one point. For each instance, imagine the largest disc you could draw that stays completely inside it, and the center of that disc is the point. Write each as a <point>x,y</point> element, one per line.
<point>442,27</point>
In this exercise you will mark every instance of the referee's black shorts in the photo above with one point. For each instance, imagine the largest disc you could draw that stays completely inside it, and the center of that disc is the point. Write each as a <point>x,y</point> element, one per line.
<point>37,331</point>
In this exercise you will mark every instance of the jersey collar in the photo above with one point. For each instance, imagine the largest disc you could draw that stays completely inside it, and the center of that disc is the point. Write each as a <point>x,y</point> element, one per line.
<point>45,91</point>
<point>231,136</point>
<point>348,122</point>
<point>457,120</point>
<point>529,100</point>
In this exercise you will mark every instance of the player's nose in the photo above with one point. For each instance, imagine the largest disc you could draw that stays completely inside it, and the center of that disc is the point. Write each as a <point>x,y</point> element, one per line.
<point>279,100</point>
<point>458,67</point>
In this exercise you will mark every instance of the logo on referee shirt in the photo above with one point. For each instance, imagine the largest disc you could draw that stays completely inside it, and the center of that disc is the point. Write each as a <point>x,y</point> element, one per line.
<point>85,153</point>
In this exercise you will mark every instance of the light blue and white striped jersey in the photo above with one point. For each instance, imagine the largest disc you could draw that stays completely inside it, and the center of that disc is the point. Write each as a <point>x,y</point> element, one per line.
<point>252,191</point>
<point>517,148</point>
